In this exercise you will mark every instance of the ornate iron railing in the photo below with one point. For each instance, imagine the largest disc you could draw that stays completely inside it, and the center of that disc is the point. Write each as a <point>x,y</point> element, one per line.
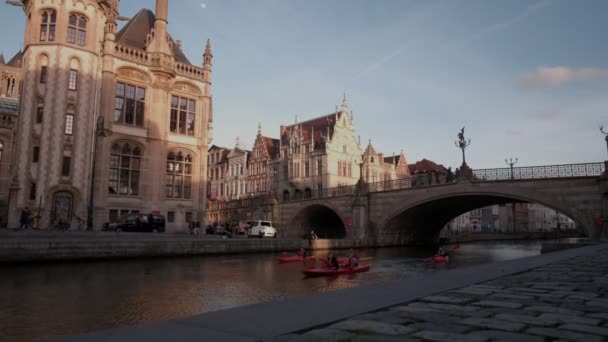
<point>389,185</point>
<point>540,172</point>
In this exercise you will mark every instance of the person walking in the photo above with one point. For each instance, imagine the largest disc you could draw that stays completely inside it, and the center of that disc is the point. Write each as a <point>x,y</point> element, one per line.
<point>25,219</point>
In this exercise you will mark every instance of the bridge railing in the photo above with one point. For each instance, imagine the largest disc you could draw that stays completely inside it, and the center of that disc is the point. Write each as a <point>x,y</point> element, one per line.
<point>388,185</point>
<point>540,172</point>
<point>346,190</point>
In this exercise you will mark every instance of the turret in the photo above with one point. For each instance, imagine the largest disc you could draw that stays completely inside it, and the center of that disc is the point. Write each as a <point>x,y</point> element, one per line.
<point>159,39</point>
<point>207,58</point>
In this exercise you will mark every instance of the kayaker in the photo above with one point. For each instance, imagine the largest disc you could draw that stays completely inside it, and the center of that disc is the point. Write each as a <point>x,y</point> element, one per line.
<point>333,261</point>
<point>302,253</point>
<point>353,258</point>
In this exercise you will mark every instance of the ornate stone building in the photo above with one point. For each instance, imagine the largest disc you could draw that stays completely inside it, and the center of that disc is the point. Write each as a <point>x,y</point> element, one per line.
<point>111,122</point>
<point>261,170</point>
<point>319,153</point>
<point>10,88</point>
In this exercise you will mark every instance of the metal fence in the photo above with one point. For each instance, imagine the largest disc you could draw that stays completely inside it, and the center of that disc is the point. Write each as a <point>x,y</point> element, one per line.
<point>540,172</point>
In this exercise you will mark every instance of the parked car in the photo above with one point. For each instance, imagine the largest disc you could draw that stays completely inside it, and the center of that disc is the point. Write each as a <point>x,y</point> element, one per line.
<point>218,230</point>
<point>260,228</point>
<point>137,223</point>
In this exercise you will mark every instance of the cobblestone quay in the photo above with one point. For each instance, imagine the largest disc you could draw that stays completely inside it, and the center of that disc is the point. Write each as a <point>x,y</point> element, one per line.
<point>567,300</point>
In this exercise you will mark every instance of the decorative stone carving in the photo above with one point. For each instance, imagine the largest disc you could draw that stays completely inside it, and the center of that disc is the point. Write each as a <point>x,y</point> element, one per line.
<point>133,74</point>
<point>186,88</point>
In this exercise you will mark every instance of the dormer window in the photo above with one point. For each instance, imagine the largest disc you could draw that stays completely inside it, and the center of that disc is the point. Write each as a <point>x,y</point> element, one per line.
<point>77,29</point>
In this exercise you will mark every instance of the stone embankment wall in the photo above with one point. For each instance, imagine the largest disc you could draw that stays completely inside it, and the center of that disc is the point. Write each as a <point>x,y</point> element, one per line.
<point>79,246</point>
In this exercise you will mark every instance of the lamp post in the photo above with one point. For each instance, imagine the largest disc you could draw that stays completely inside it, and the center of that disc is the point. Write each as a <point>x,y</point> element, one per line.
<point>511,162</point>
<point>605,135</point>
<point>99,132</point>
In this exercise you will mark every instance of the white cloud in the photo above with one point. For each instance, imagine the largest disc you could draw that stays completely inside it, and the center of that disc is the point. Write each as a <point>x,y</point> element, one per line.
<point>203,5</point>
<point>555,76</point>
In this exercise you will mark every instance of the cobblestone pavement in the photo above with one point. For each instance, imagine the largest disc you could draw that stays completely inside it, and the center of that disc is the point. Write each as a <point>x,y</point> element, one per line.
<point>565,301</point>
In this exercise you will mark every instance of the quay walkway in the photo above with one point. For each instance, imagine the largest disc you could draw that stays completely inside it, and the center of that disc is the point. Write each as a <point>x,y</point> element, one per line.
<point>556,296</point>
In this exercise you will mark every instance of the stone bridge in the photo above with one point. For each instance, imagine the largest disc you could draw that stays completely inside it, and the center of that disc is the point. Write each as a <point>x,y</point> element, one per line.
<point>417,215</point>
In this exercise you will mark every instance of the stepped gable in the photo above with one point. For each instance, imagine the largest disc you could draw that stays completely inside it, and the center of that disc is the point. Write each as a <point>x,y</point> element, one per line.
<point>134,34</point>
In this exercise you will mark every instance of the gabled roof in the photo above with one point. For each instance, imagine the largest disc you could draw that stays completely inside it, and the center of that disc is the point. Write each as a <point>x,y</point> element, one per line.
<point>134,34</point>
<point>1,58</point>
<point>271,145</point>
<point>391,159</point>
<point>317,125</point>
<point>426,165</point>
<point>9,106</point>
<point>370,150</point>
<point>16,60</point>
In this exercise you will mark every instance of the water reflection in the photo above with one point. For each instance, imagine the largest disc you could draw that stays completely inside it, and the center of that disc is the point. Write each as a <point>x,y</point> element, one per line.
<point>42,301</point>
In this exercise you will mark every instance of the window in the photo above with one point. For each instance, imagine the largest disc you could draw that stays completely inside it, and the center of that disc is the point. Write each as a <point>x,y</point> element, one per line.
<point>73,81</point>
<point>182,115</point>
<point>178,182</point>
<point>69,124</point>
<point>77,29</point>
<point>171,216</point>
<point>125,168</point>
<point>47,25</point>
<point>39,114</point>
<point>1,149</point>
<point>189,217</point>
<point>113,215</point>
<point>306,169</point>
<point>43,74</point>
<point>33,191</point>
<point>129,104</point>
<point>65,166</point>
<point>36,154</point>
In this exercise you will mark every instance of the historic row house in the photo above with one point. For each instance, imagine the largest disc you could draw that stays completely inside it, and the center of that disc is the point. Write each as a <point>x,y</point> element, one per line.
<point>227,175</point>
<point>113,121</point>
<point>383,171</point>
<point>10,81</point>
<point>262,172</point>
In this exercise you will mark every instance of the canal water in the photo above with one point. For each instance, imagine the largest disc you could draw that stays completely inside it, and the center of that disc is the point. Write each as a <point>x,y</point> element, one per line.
<point>38,302</point>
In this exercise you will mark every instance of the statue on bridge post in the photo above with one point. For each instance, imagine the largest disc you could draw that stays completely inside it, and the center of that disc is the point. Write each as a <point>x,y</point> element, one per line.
<point>463,143</point>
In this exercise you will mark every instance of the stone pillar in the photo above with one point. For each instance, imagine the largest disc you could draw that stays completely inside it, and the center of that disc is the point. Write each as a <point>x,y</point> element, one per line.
<point>360,218</point>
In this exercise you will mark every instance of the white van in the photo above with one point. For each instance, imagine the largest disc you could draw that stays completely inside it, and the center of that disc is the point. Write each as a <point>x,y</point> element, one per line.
<point>260,228</point>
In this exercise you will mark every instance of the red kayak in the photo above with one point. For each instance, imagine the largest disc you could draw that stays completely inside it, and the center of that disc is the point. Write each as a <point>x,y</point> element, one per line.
<point>438,259</point>
<point>325,271</point>
<point>344,260</point>
<point>284,260</point>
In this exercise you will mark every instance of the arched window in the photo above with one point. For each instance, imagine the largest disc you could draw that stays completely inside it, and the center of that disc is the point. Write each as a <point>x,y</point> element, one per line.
<point>10,85</point>
<point>1,149</point>
<point>77,29</point>
<point>47,25</point>
<point>178,182</point>
<point>125,168</point>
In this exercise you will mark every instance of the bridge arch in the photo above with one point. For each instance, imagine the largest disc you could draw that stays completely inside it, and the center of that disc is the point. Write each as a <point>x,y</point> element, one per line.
<point>420,222</point>
<point>325,220</point>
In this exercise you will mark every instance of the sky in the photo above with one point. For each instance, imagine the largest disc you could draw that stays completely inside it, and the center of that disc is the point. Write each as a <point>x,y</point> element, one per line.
<point>528,79</point>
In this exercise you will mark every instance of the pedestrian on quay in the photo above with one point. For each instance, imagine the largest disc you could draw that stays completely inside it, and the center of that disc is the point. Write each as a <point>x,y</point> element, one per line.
<point>25,221</point>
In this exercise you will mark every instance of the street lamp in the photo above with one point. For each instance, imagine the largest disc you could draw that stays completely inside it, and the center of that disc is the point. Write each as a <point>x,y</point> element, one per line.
<point>605,135</point>
<point>99,132</point>
<point>511,162</point>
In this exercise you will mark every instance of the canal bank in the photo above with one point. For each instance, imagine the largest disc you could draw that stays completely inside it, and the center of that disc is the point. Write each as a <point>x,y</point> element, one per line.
<point>561,295</point>
<point>40,246</point>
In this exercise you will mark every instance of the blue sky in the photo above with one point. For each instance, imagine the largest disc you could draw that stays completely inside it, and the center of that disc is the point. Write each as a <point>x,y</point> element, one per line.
<point>528,79</point>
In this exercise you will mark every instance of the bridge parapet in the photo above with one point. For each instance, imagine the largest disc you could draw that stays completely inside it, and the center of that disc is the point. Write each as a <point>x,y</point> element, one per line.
<point>540,172</point>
